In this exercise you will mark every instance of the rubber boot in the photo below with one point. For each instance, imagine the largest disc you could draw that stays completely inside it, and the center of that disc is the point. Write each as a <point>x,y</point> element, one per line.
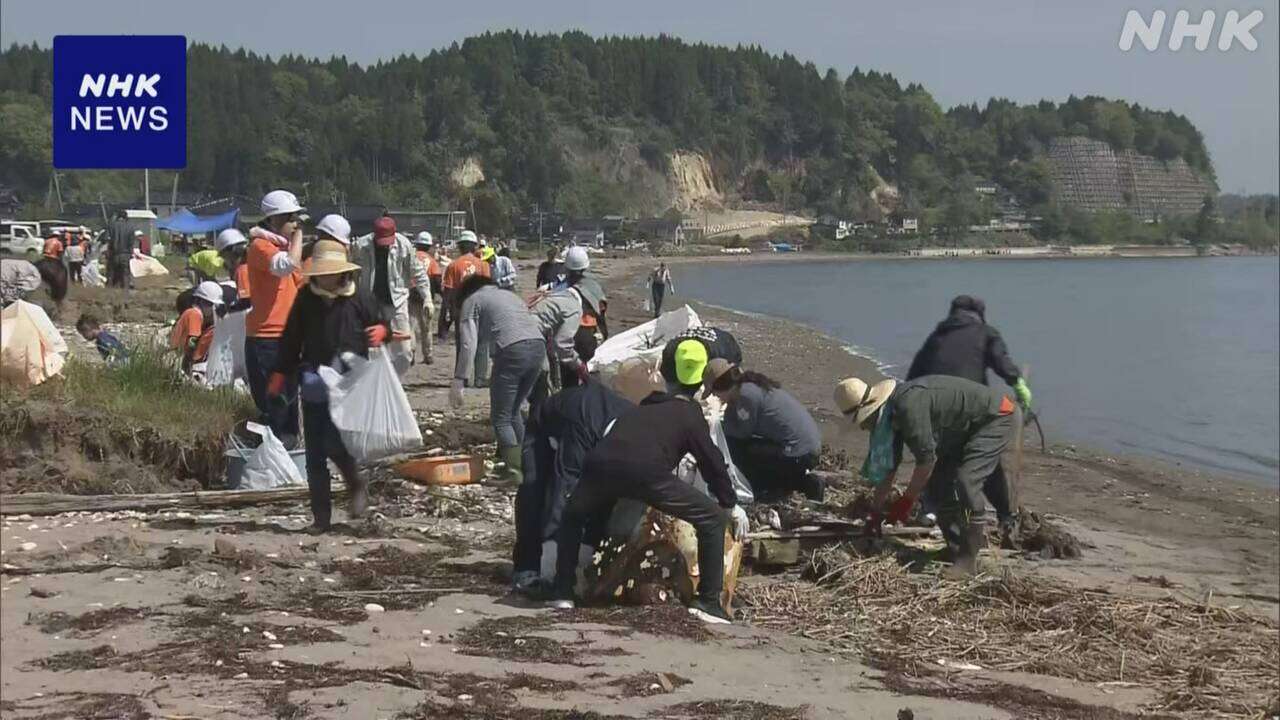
<point>512,459</point>
<point>358,486</point>
<point>973,538</point>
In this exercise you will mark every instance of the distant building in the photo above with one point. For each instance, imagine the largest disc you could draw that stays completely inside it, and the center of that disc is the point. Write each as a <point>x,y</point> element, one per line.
<point>910,224</point>
<point>660,229</point>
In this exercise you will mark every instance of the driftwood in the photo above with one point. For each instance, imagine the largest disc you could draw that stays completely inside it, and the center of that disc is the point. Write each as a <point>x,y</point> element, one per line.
<point>54,503</point>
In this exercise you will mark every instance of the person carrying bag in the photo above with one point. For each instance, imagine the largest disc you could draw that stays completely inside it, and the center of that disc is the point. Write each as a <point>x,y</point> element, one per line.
<point>328,320</point>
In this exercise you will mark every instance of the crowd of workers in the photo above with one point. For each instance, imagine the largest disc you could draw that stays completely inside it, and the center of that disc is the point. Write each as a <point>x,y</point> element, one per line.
<point>572,445</point>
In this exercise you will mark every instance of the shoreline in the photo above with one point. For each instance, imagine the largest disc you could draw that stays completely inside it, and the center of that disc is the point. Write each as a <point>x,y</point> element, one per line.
<point>1198,529</point>
<point>1265,477</point>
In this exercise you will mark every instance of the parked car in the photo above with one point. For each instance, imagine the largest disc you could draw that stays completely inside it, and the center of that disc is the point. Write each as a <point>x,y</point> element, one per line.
<point>21,239</point>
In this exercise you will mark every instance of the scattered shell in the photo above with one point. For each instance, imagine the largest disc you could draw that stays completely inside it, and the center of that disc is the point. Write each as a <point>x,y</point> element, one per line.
<point>374,607</point>
<point>241,676</point>
<point>268,635</point>
<point>27,546</point>
<point>276,646</point>
<point>464,698</point>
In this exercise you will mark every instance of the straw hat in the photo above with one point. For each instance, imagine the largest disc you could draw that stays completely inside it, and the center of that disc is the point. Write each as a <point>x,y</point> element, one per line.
<point>859,401</point>
<point>716,368</point>
<point>329,258</point>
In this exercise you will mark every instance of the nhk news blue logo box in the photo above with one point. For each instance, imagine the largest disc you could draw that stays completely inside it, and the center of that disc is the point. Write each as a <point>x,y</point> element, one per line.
<point>119,101</point>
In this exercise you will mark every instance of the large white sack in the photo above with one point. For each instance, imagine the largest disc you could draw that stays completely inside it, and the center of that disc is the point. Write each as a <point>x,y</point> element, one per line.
<point>269,465</point>
<point>31,348</point>
<point>645,341</point>
<point>370,409</point>
<point>226,352</point>
<point>144,265</point>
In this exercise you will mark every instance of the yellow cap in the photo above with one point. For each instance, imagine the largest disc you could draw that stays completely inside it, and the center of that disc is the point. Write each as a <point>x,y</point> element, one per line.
<point>691,361</point>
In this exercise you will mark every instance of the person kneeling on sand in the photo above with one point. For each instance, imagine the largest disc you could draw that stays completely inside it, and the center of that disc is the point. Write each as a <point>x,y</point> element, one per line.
<point>328,319</point>
<point>561,430</point>
<point>636,460</point>
<point>956,430</point>
<point>772,438</point>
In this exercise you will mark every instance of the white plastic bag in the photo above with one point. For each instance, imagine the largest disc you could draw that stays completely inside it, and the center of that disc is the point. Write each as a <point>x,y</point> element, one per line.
<point>269,465</point>
<point>91,275</point>
<point>370,409</point>
<point>226,352</point>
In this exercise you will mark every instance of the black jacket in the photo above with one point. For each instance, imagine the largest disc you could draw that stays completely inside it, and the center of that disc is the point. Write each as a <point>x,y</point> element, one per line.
<point>318,332</point>
<point>575,418</point>
<point>653,438</point>
<point>719,344</point>
<point>964,346</point>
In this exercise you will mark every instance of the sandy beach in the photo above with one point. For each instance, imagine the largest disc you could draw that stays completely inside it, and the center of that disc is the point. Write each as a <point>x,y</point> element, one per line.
<point>237,613</point>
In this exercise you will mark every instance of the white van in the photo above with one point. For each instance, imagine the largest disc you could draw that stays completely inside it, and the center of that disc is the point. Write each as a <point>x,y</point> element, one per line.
<point>21,239</point>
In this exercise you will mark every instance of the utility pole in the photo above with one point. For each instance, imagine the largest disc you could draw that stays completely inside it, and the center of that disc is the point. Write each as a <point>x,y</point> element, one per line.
<point>146,189</point>
<point>173,197</point>
<point>58,188</point>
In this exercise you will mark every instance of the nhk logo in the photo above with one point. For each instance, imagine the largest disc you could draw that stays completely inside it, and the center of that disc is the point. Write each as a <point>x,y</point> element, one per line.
<point>1235,28</point>
<point>119,101</point>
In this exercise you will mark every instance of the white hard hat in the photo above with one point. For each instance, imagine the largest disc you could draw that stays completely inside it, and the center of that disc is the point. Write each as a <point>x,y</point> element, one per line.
<point>424,238</point>
<point>336,227</point>
<point>576,258</point>
<point>467,237</point>
<point>209,291</point>
<point>228,238</point>
<point>137,233</point>
<point>280,202</point>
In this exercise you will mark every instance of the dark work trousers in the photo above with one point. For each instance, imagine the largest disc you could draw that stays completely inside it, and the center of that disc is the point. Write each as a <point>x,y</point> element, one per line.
<point>607,480</point>
<point>771,473</point>
<point>541,489</point>
<point>446,315</point>
<point>75,272</point>
<point>956,487</point>
<point>324,443</point>
<point>538,465</point>
<point>658,290</point>
<point>281,416</point>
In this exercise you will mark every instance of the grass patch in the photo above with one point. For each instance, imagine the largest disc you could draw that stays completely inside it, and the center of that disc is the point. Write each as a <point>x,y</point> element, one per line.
<point>138,427</point>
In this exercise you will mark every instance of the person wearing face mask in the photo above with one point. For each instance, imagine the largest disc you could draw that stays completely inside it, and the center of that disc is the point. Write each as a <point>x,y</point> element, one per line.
<point>274,262</point>
<point>328,320</point>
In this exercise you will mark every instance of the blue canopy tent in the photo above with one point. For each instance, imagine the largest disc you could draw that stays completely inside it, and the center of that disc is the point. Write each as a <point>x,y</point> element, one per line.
<point>188,223</point>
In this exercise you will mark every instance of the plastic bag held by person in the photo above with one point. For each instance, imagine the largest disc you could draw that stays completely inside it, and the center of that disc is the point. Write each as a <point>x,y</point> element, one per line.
<point>269,465</point>
<point>226,353</point>
<point>370,409</point>
<point>146,266</point>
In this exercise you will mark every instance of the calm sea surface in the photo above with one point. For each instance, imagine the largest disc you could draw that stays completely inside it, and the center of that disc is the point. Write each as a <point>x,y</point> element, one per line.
<point>1173,358</point>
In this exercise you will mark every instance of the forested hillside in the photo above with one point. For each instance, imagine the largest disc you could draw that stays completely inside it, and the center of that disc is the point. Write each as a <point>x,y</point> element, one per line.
<point>542,115</point>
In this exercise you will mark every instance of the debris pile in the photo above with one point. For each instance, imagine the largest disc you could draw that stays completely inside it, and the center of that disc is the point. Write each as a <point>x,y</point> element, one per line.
<point>1199,657</point>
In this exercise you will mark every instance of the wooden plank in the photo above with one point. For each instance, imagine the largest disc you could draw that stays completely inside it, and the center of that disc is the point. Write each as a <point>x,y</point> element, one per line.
<point>54,503</point>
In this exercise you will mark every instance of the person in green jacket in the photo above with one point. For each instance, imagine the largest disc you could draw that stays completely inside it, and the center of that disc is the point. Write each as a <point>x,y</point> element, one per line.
<point>956,430</point>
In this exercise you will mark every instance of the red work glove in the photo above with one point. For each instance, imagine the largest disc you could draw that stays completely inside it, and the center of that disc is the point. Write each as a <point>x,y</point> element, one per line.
<point>275,385</point>
<point>900,510</point>
<point>376,335</point>
<point>874,522</point>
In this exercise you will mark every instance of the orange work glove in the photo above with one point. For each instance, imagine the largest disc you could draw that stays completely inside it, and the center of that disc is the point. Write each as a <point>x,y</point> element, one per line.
<point>376,335</point>
<point>275,385</point>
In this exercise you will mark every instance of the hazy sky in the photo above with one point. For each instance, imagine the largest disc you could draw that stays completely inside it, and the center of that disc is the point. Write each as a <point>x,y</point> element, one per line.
<point>960,51</point>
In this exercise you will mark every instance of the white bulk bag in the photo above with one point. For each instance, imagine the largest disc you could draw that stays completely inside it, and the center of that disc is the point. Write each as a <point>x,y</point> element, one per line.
<point>144,266</point>
<point>370,409</point>
<point>91,276</point>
